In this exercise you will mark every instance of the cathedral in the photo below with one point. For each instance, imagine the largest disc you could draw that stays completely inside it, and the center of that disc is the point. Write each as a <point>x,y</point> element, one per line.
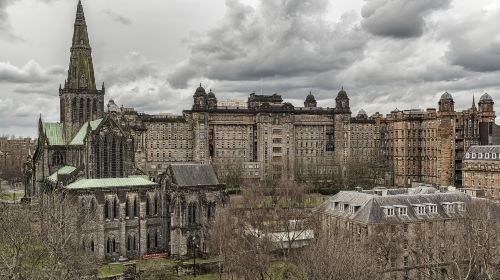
<point>91,155</point>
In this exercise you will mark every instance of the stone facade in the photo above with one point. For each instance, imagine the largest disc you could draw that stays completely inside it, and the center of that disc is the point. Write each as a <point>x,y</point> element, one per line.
<point>481,170</point>
<point>282,140</point>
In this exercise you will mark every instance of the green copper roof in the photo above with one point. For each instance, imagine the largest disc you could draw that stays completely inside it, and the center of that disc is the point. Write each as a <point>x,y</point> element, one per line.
<point>109,183</point>
<point>65,170</point>
<point>55,133</point>
<point>80,136</point>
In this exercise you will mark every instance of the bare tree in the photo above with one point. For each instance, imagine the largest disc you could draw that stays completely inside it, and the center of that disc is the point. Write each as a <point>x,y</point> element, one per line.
<point>41,242</point>
<point>229,171</point>
<point>335,259</point>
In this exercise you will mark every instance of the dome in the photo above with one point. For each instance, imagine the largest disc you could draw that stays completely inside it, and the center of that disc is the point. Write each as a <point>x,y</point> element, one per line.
<point>211,94</point>
<point>362,113</point>
<point>446,96</point>
<point>200,91</point>
<point>342,93</point>
<point>486,97</point>
<point>310,97</point>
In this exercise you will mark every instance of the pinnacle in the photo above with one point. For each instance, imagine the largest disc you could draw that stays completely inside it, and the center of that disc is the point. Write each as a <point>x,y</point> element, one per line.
<point>79,11</point>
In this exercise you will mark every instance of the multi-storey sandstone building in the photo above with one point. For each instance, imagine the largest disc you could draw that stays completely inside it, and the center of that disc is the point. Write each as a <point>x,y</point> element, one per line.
<point>269,137</point>
<point>481,170</point>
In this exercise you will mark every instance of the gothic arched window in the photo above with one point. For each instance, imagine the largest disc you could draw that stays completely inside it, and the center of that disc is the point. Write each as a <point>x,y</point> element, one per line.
<point>81,110</point>
<point>136,207</point>
<point>116,209</point>
<point>156,205</point>
<point>147,206</point>
<point>126,207</point>
<point>106,209</point>
<point>74,110</point>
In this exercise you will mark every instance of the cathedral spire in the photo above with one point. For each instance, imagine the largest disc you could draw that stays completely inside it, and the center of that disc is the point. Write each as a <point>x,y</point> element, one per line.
<point>81,69</point>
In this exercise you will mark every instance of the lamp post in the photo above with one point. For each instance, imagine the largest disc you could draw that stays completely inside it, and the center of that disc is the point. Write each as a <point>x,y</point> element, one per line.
<point>193,240</point>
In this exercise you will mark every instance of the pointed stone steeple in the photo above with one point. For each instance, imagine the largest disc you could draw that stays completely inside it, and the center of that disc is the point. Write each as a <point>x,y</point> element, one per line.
<point>81,68</point>
<point>474,108</point>
<point>80,100</point>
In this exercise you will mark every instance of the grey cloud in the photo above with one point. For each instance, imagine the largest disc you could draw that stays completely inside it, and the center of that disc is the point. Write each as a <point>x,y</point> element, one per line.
<point>132,67</point>
<point>5,26</point>
<point>399,18</point>
<point>473,44</point>
<point>31,72</point>
<point>117,17</point>
<point>278,39</point>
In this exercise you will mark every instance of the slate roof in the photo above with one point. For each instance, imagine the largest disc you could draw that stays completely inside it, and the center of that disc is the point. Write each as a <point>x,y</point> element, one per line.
<point>190,175</point>
<point>371,206</point>
<point>110,183</point>
<point>54,133</point>
<point>65,170</point>
<point>80,136</point>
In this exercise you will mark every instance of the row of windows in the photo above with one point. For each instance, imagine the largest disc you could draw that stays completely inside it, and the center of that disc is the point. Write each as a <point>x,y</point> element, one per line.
<point>482,156</point>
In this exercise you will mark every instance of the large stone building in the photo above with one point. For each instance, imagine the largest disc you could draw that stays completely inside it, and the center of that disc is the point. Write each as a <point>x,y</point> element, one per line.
<point>272,138</point>
<point>416,233</point>
<point>92,155</point>
<point>481,170</point>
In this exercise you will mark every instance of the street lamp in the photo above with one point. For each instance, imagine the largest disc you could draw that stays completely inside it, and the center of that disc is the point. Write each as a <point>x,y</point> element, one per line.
<point>194,245</point>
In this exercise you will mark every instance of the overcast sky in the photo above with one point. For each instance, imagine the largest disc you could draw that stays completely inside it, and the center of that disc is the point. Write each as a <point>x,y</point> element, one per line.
<point>152,54</point>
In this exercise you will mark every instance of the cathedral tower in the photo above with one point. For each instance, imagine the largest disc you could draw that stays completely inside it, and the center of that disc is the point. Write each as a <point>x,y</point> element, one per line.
<point>80,101</point>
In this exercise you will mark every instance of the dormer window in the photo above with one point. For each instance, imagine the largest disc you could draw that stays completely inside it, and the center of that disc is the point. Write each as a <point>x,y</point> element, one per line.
<point>431,208</point>
<point>388,211</point>
<point>480,155</point>
<point>460,206</point>
<point>448,207</point>
<point>419,209</point>
<point>473,155</point>
<point>487,155</point>
<point>494,156</point>
<point>402,210</point>
<point>467,155</point>
<point>353,208</point>
<point>345,207</point>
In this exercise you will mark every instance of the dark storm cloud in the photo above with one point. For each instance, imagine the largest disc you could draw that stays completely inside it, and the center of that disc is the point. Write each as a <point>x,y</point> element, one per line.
<point>117,17</point>
<point>398,18</point>
<point>474,43</point>
<point>278,39</point>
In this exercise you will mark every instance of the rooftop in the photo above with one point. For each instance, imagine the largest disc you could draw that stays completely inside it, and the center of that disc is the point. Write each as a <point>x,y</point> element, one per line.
<point>110,183</point>
<point>382,205</point>
<point>190,175</point>
<point>65,170</point>
<point>54,133</point>
<point>80,136</point>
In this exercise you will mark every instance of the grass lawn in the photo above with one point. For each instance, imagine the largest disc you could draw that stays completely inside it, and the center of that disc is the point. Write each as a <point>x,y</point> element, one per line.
<point>167,263</point>
<point>112,269</point>
<point>202,277</point>
<point>11,195</point>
